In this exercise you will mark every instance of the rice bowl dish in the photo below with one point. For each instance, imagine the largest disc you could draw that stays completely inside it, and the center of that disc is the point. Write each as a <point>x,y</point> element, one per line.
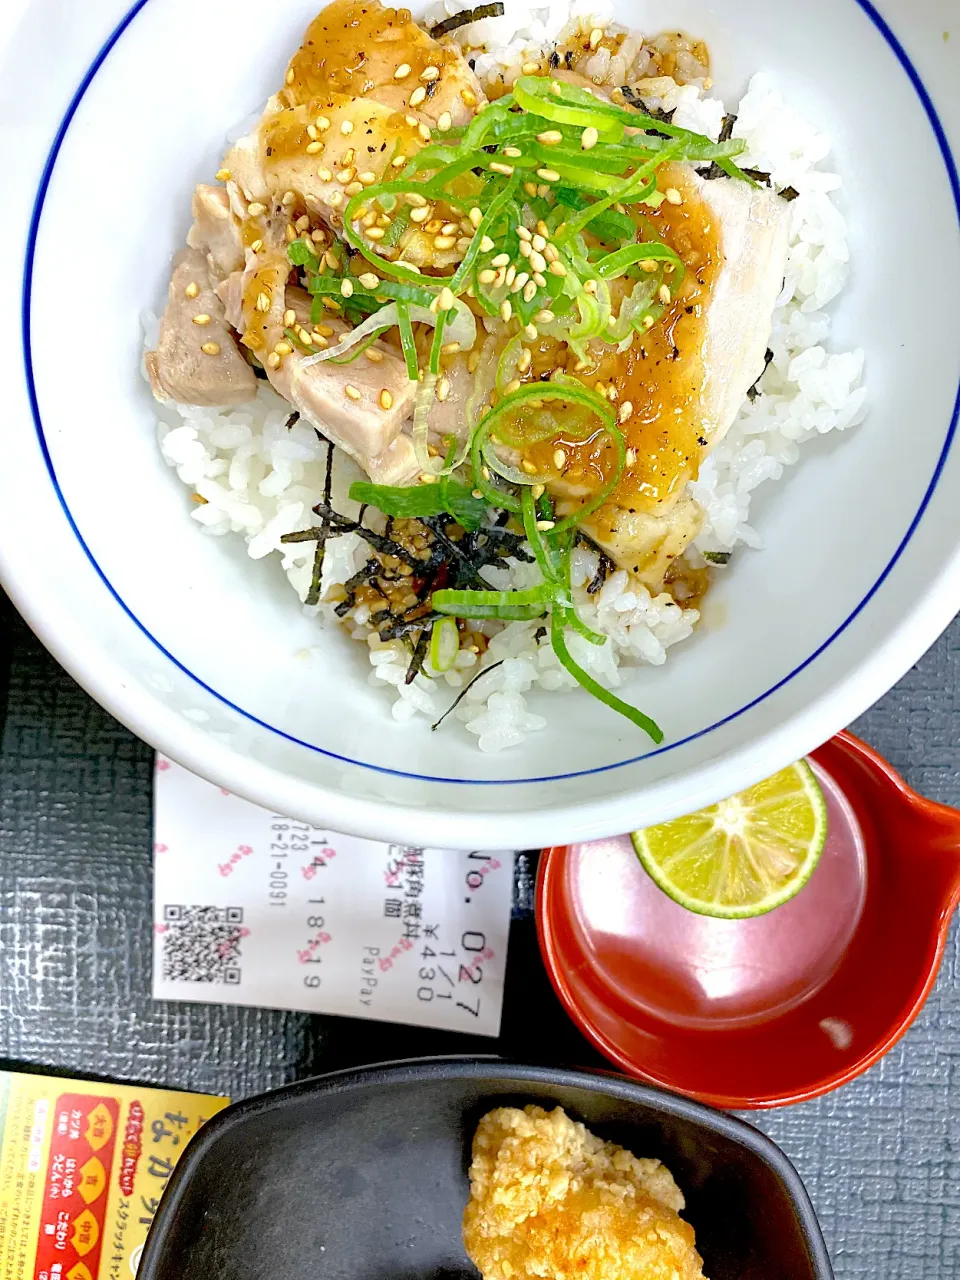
<point>627,583</point>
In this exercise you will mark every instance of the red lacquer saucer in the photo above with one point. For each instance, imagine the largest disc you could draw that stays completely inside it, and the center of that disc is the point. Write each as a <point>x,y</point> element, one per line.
<point>781,1008</point>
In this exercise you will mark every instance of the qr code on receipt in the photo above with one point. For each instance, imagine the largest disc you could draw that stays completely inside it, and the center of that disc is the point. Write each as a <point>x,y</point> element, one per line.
<point>201,944</point>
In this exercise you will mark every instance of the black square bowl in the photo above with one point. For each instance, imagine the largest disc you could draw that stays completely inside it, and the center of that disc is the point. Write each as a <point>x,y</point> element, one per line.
<point>362,1175</point>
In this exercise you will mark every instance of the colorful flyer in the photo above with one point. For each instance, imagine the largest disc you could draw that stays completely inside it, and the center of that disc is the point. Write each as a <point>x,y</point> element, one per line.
<point>82,1169</point>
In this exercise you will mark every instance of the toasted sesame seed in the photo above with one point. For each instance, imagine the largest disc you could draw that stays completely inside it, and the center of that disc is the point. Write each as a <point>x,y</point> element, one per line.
<point>346,126</point>
<point>476,217</point>
<point>346,175</point>
<point>648,322</point>
<point>631,456</point>
<point>386,399</point>
<point>530,188</point>
<point>530,332</point>
<point>501,260</point>
<point>302,223</point>
<point>487,276</point>
<point>290,232</point>
<point>537,261</point>
<point>192,289</point>
<point>663,293</point>
<point>317,340</point>
<point>506,309</point>
<point>312,131</point>
<point>673,196</point>
<point>648,265</point>
<point>289,318</point>
<point>424,132</point>
<point>352,392</point>
<point>540,279</point>
<point>399,161</point>
<point>525,249</point>
<point>402,71</point>
<point>513,152</point>
<point>545,316</point>
<point>446,299</point>
<point>527,466</point>
<point>557,269</point>
<point>556,87</point>
<point>346,288</point>
<point>418,96</point>
<point>590,286</point>
<point>289,199</point>
<point>443,389</point>
<point>497,167</point>
<point>257,245</point>
<point>210,348</point>
<point>373,355</point>
<point>596,35</point>
<point>511,275</point>
<point>486,244</point>
<point>314,148</point>
<point>625,410</point>
<point>545,525</point>
<point>283,349</point>
<point>353,188</point>
<point>514,385</point>
<point>331,304</point>
<point>256,208</point>
<point>500,278</point>
<point>420,215</point>
<point>550,137</point>
<point>530,68</point>
<point>430,73</point>
<point>548,175</point>
<point>369,280</point>
<point>324,175</point>
<point>273,360</point>
<point>589,138</point>
<point>559,459</point>
<point>450,348</point>
<point>529,290</point>
<point>412,121</point>
<point>485,472</point>
<point>519,281</point>
<point>303,335</point>
<point>444,121</point>
<point>427,477</point>
<point>468,97</point>
<point>202,318</point>
<point>539,242</point>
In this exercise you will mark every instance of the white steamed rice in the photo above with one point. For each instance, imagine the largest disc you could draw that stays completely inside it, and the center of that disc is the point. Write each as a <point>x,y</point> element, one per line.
<point>261,480</point>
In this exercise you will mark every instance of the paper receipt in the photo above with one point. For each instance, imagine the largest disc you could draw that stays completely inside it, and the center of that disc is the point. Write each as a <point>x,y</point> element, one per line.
<point>257,909</point>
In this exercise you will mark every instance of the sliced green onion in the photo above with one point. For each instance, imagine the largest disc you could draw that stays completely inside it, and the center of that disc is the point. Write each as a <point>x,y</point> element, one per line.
<point>444,644</point>
<point>407,341</point>
<point>510,606</point>
<point>614,264</point>
<point>557,624</point>
<point>414,502</point>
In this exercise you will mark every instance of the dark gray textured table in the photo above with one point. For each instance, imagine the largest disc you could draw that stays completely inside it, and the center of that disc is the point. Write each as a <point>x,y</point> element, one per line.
<point>881,1157</point>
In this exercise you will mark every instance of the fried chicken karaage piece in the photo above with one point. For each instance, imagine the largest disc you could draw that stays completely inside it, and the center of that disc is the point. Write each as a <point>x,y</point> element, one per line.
<point>550,1201</point>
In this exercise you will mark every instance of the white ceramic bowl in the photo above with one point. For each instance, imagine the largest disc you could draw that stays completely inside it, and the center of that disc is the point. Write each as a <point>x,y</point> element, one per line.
<point>109,117</point>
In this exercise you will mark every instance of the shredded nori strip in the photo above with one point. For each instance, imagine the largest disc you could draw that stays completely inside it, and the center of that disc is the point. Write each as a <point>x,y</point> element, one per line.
<point>633,99</point>
<point>419,656</point>
<point>726,131</point>
<point>463,19</point>
<point>370,570</point>
<point>717,557</point>
<point>789,193</point>
<point>464,691</point>
<point>754,391</point>
<point>294,418</point>
<point>604,568</point>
